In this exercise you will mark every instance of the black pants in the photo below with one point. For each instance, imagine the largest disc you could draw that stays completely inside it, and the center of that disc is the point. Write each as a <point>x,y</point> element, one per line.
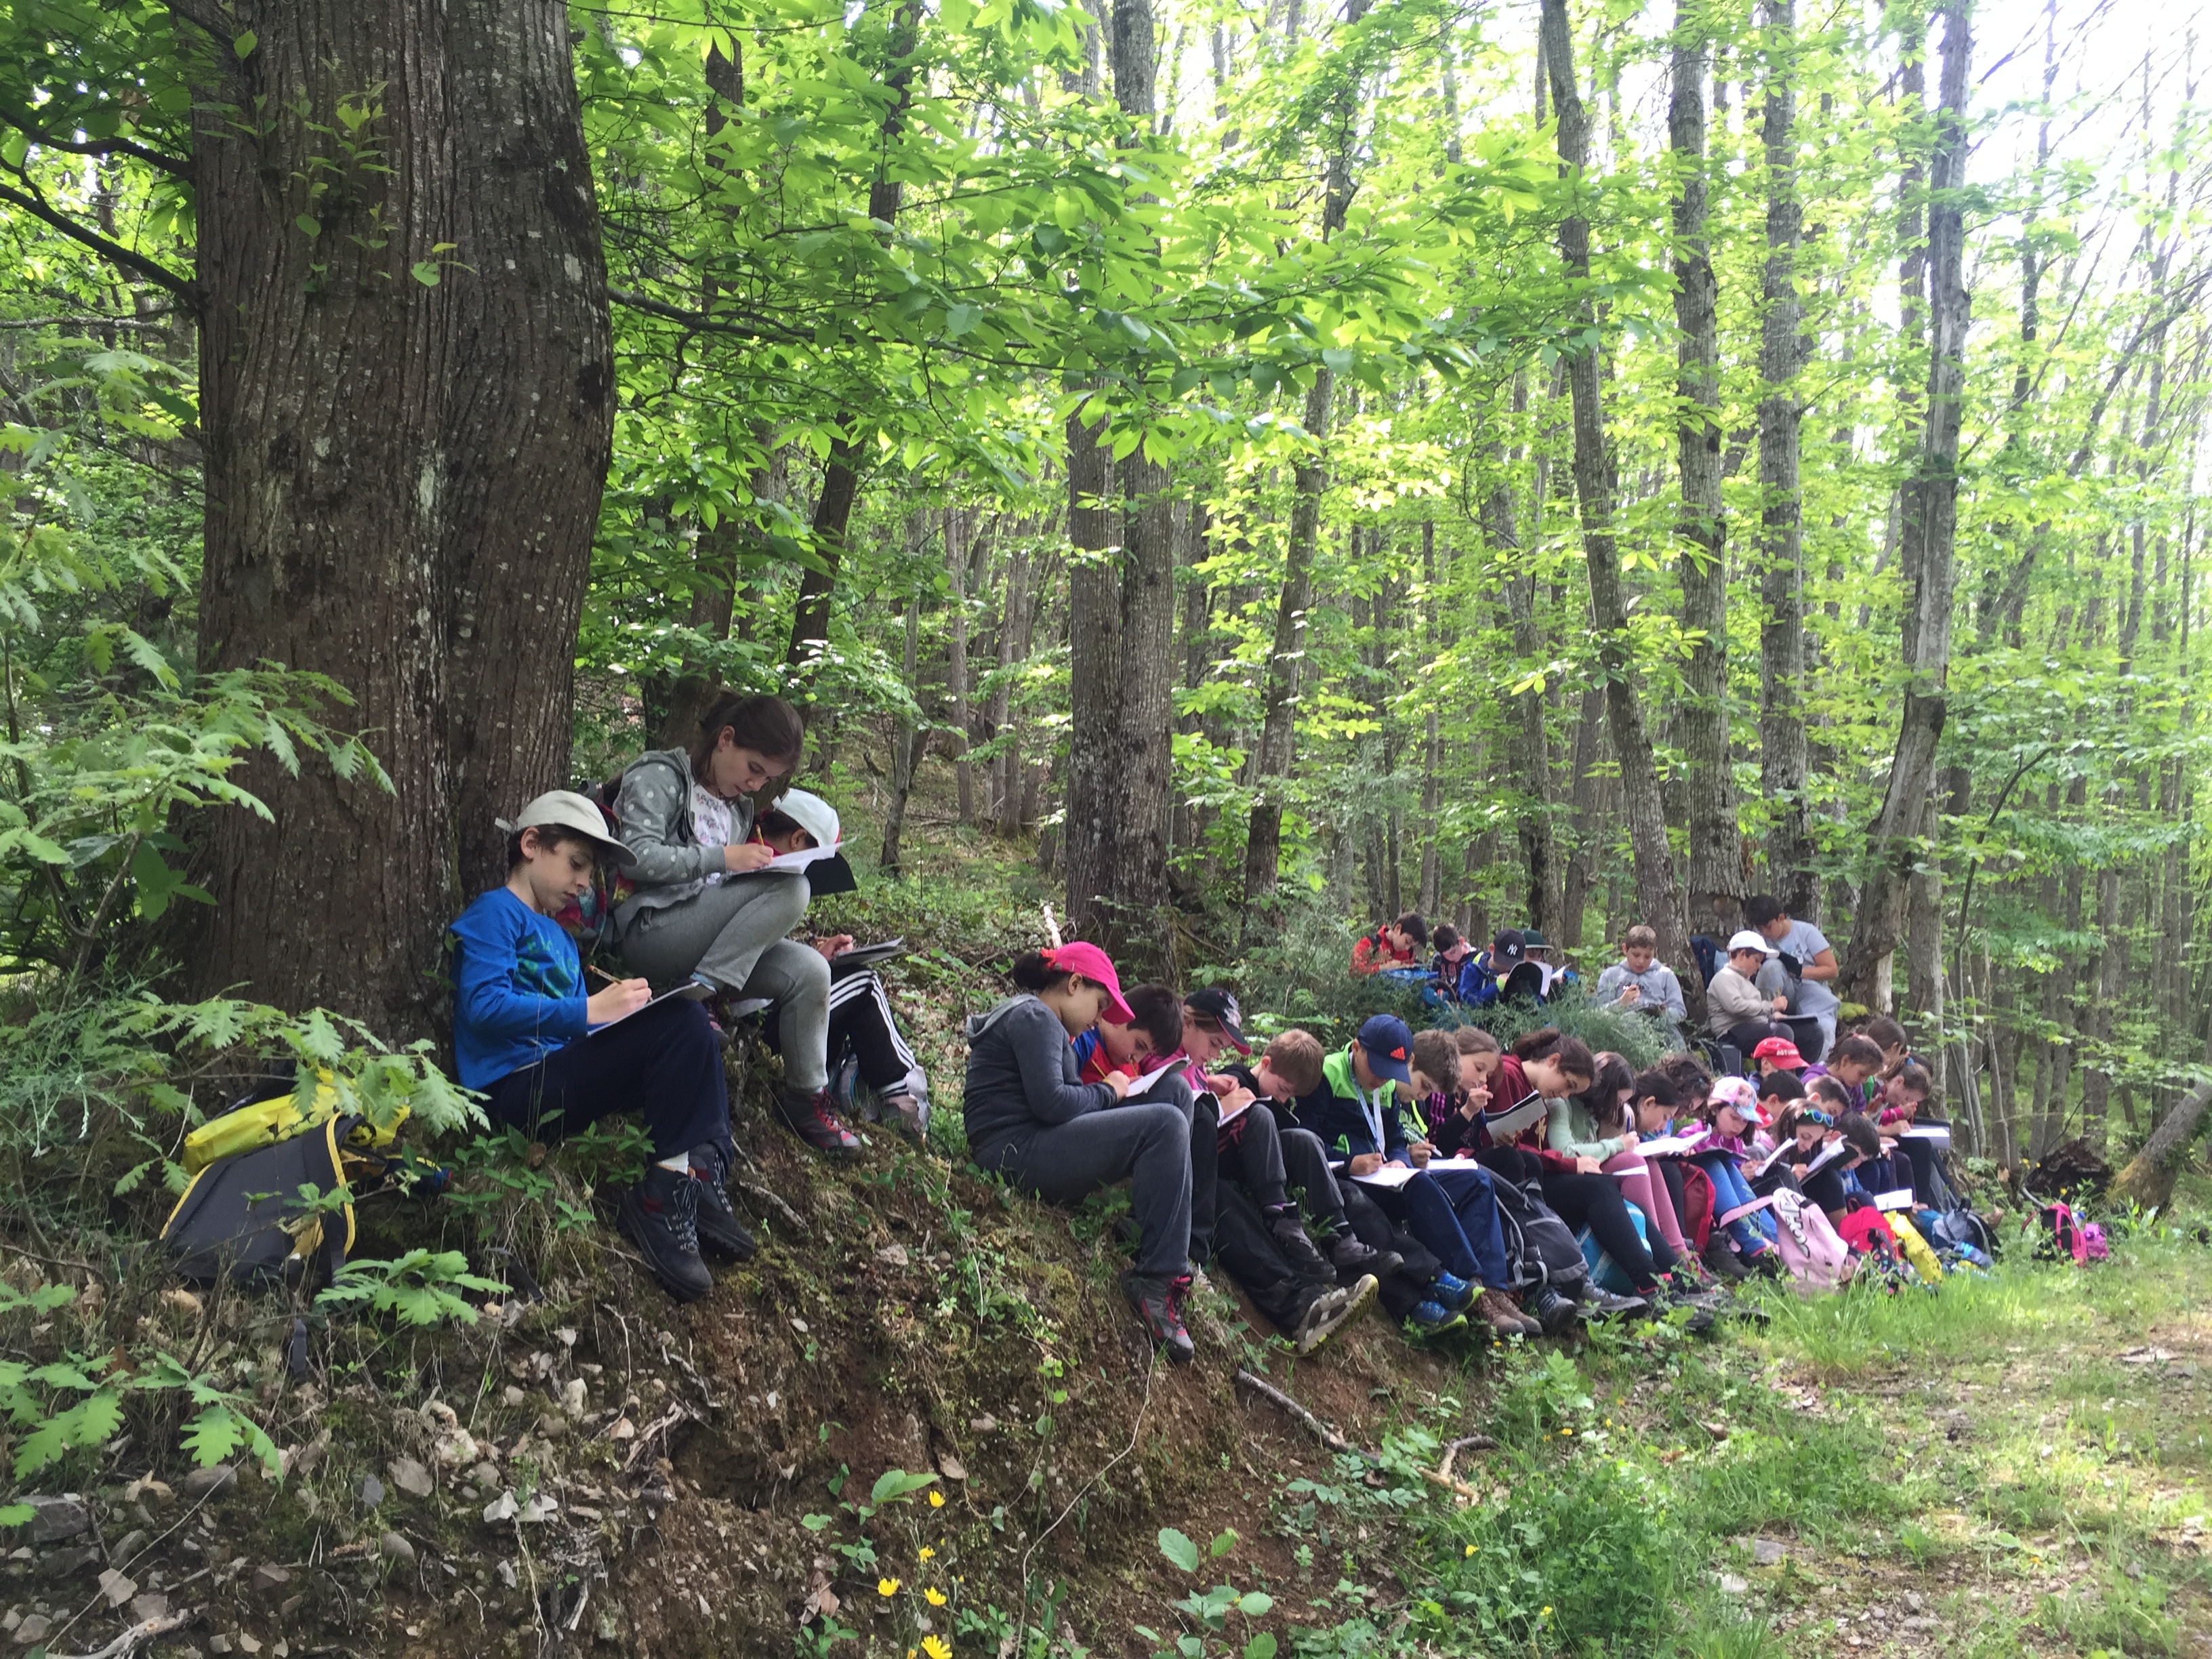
<point>1594,1201</point>
<point>1402,1291</point>
<point>860,1022</point>
<point>1248,1253</point>
<point>1748,1035</point>
<point>662,1066</point>
<point>1669,1169</point>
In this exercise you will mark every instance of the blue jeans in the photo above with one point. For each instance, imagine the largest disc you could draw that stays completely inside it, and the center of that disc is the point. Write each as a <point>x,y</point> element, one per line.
<point>1453,1213</point>
<point>1753,1233</point>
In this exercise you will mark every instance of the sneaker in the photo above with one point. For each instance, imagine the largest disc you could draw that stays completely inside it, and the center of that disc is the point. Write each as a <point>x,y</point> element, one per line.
<point>1158,1302</point>
<point>1433,1318</point>
<point>699,988</point>
<point>1330,1311</point>
<point>1554,1312</point>
<point>845,1085</point>
<point>1604,1304</point>
<point>1352,1259</point>
<point>1453,1291</point>
<point>1298,1250</point>
<point>660,1216</point>
<point>1496,1309</point>
<point>721,1233</point>
<point>810,1118</point>
<point>1766,1264</point>
<point>909,1116</point>
<point>1721,1260</point>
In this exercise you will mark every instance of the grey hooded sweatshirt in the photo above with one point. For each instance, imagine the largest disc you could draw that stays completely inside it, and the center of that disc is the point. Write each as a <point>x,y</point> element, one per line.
<point>654,809</point>
<point>1022,1073</point>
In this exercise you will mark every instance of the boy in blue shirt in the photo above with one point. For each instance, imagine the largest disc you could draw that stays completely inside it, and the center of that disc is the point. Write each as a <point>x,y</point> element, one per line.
<point>549,1059</point>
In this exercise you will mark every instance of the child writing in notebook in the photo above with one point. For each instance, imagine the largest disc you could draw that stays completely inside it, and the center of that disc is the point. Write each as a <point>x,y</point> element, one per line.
<point>551,1058</point>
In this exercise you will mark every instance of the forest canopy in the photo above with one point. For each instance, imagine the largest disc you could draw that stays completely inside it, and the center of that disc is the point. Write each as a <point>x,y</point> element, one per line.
<point>1551,466</point>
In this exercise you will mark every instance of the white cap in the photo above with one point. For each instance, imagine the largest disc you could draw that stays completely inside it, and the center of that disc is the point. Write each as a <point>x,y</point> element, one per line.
<point>813,814</point>
<point>564,809</point>
<point>1750,941</point>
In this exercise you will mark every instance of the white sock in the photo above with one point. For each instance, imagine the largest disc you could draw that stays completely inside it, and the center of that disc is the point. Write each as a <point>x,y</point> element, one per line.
<point>680,1164</point>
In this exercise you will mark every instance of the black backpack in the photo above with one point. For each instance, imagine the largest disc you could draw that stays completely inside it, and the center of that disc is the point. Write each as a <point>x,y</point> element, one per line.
<point>1540,1247</point>
<point>242,1219</point>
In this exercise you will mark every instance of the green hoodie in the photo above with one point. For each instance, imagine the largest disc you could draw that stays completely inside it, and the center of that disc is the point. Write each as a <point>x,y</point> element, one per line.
<point>1346,1128</point>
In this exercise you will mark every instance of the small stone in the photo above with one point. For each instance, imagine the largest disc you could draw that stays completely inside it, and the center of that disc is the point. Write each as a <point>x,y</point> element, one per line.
<point>799,1324</point>
<point>1733,1585</point>
<point>892,1256</point>
<point>115,1588</point>
<point>983,1424</point>
<point>568,1335</point>
<point>552,1426</point>
<point>152,1605</point>
<point>53,1519</point>
<point>501,1508</point>
<point>282,1651</point>
<point>286,1608</point>
<point>1766,1552</point>
<point>215,1478</point>
<point>133,1541</point>
<point>220,1644</point>
<point>158,1493</point>
<point>371,1491</point>
<point>32,1629</point>
<point>572,1396</point>
<point>248,1643</point>
<point>392,1548</point>
<point>183,1301</point>
<point>409,1476</point>
<point>951,1466</point>
<point>511,1396</point>
<point>623,1429</point>
<point>9,1619</point>
<point>269,1578</point>
<point>61,1563</point>
<point>485,1474</point>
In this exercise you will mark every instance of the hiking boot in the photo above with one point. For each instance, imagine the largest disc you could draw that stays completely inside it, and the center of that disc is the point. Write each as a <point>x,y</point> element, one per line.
<point>1329,1312</point>
<point>1721,1261</point>
<point>1433,1318</point>
<point>1767,1264</point>
<point>810,1118</point>
<point>660,1216</point>
<point>1453,1291</point>
<point>1496,1309</point>
<point>721,1235</point>
<point>1298,1250</point>
<point>1553,1311</point>
<point>1158,1302</point>
<point>1350,1259</point>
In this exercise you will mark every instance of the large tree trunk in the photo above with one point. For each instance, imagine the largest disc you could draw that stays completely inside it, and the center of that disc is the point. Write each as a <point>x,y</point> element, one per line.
<point>1657,897</point>
<point>1117,884</point>
<point>2148,1178</point>
<point>1931,517</point>
<point>402,480</point>
<point>1715,860</point>
<point>1784,764</point>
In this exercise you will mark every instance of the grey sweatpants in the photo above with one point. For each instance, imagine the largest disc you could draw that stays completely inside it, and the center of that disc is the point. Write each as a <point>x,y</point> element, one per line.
<point>734,933</point>
<point>1149,1144</point>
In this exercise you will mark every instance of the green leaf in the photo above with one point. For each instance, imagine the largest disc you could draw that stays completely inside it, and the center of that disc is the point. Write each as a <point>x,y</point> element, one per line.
<point>310,227</point>
<point>425,271</point>
<point>894,1483</point>
<point>16,1515</point>
<point>1261,1646</point>
<point>1178,1549</point>
<point>1255,1603</point>
<point>243,44</point>
<point>1223,1541</point>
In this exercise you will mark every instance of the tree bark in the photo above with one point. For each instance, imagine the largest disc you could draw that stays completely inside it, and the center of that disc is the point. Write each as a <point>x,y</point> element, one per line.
<point>840,475</point>
<point>402,480</point>
<point>906,736</point>
<point>1930,515</point>
<point>2146,1179</point>
<point>1784,763</point>
<point>959,526</point>
<point>1657,897</point>
<point>1715,860</point>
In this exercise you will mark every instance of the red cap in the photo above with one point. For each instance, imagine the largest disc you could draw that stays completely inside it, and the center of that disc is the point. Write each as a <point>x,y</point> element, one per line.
<point>1783,1052</point>
<point>1094,964</point>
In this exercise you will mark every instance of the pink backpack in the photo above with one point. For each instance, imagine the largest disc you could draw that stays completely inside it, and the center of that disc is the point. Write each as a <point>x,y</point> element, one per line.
<point>1815,1256</point>
<point>2093,1245</point>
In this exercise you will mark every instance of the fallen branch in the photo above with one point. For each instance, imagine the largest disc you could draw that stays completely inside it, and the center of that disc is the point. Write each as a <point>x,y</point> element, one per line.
<point>1465,1443</point>
<point>137,1633</point>
<point>659,1426</point>
<point>1336,1443</point>
<point>774,1202</point>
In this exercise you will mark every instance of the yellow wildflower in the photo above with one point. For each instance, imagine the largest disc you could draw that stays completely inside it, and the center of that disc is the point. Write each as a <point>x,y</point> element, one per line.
<point>887,1586</point>
<point>937,1647</point>
<point>1546,1613</point>
<point>928,1554</point>
<point>934,1597</point>
<point>937,1500</point>
<point>1470,1549</point>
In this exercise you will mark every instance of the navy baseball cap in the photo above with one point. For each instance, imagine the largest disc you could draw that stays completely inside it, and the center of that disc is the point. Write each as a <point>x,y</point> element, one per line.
<point>1510,945</point>
<point>1217,1007</point>
<point>1389,1042</point>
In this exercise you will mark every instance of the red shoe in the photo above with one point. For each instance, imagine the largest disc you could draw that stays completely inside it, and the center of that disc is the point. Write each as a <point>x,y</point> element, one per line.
<point>809,1117</point>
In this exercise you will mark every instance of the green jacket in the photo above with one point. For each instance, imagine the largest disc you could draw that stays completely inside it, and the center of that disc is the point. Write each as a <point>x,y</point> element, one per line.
<point>1344,1127</point>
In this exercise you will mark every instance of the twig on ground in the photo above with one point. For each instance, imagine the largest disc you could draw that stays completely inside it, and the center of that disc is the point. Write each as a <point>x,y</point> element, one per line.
<point>1336,1443</point>
<point>775,1203</point>
<point>659,1425</point>
<point>144,1631</point>
<point>1465,1443</point>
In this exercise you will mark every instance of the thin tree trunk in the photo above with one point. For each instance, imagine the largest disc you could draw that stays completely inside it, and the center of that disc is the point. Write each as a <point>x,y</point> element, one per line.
<point>1587,790</point>
<point>1715,860</point>
<point>1784,763</point>
<point>1644,812</point>
<point>1431,746</point>
<point>1527,744</point>
<point>959,526</point>
<point>906,736</point>
<point>401,481</point>
<point>1931,504</point>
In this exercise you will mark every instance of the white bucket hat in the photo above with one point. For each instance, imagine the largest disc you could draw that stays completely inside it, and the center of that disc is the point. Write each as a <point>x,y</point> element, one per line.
<point>564,809</point>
